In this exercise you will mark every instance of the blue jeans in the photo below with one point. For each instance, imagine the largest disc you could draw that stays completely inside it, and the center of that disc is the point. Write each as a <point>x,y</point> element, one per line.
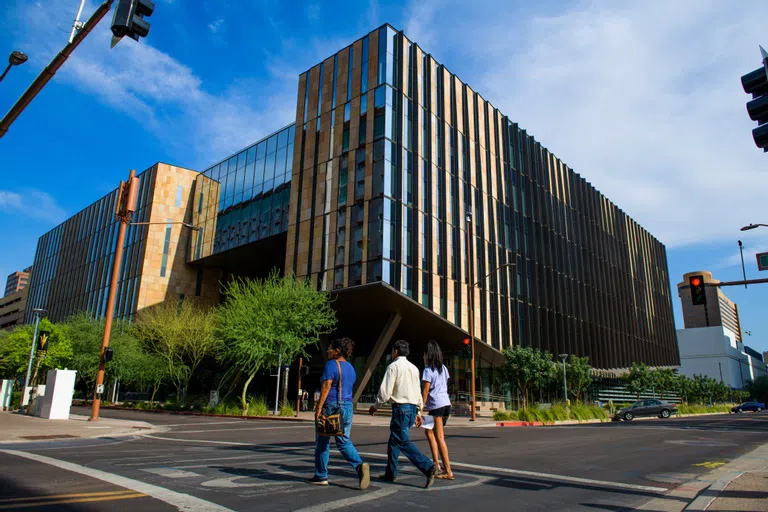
<point>343,443</point>
<point>403,416</point>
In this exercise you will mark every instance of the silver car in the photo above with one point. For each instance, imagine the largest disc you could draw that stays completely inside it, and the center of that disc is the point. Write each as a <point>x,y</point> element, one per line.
<point>646,408</point>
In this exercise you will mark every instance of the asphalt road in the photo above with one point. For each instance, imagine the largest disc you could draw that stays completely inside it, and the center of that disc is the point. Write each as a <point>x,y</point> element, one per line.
<point>210,464</point>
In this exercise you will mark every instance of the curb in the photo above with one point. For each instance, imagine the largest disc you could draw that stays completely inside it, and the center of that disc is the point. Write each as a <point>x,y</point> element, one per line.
<point>583,422</point>
<point>211,415</point>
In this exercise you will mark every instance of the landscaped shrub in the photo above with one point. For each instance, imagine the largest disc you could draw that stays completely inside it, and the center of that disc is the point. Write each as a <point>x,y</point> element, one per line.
<point>228,408</point>
<point>16,400</point>
<point>500,416</point>
<point>559,412</point>
<point>258,407</point>
<point>703,409</point>
<point>286,409</point>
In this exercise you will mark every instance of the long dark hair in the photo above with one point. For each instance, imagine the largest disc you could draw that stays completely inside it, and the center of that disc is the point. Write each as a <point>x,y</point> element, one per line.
<point>434,356</point>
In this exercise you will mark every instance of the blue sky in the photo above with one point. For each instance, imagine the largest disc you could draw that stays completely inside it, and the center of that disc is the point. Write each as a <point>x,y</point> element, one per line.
<point>641,98</point>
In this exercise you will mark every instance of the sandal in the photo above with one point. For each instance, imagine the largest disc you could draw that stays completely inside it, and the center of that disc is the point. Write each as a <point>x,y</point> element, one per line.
<point>445,476</point>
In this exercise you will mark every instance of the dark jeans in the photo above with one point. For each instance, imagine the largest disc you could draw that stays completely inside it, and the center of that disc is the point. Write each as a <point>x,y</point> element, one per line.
<point>343,443</point>
<point>403,416</point>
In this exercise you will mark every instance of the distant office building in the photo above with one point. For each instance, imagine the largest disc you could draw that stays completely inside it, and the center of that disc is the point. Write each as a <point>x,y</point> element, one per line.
<point>17,280</point>
<point>717,353</point>
<point>12,308</point>
<point>392,169</point>
<point>719,310</point>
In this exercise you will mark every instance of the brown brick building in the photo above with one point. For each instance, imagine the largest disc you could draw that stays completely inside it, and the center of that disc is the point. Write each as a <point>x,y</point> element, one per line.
<point>17,281</point>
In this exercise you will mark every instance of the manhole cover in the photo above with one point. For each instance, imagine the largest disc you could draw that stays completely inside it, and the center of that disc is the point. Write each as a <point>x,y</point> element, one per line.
<point>53,436</point>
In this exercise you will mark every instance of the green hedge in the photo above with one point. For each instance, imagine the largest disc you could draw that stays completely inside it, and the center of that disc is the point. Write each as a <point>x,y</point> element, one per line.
<point>703,409</point>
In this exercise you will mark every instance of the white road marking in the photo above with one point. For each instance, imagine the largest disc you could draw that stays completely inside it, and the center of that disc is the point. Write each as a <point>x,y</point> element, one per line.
<point>246,463</point>
<point>204,423</point>
<point>171,473</point>
<point>169,461</point>
<point>234,429</point>
<point>516,472</point>
<point>183,502</point>
<point>230,483</point>
<point>228,443</point>
<point>550,476</point>
<point>348,502</point>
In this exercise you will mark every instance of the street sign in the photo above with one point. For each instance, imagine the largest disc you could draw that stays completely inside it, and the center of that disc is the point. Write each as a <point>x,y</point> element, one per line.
<point>762,261</point>
<point>100,389</point>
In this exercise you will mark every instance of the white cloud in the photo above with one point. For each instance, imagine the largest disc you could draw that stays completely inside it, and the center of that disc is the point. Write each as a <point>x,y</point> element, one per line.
<point>32,203</point>
<point>216,25</point>
<point>642,99</point>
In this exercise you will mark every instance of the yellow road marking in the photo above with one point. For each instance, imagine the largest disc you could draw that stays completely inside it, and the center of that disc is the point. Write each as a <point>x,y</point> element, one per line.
<point>61,496</point>
<point>64,501</point>
<point>710,465</point>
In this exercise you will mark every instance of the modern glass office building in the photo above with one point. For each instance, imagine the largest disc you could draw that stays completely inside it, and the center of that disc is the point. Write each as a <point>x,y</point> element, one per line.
<point>392,171</point>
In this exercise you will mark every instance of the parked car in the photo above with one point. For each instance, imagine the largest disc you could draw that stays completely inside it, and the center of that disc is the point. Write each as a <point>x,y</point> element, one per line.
<point>748,406</point>
<point>646,408</point>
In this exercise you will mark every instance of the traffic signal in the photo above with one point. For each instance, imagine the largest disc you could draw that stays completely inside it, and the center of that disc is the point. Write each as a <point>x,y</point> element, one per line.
<point>466,350</point>
<point>108,354</point>
<point>756,84</point>
<point>698,292</point>
<point>128,19</point>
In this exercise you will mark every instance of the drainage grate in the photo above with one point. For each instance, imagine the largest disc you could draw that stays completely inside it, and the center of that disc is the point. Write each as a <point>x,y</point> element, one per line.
<point>53,436</point>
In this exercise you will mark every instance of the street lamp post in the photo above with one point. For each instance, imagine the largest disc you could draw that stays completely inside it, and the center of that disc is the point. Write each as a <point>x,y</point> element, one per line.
<point>16,58</point>
<point>471,306</point>
<point>38,312</point>
<point>753,226</point>
<point>565,383</point>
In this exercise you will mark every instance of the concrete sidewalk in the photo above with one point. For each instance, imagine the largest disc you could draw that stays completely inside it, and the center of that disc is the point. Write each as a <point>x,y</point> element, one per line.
<point>742,484</point>
<point>739,485</point>
<point>15,428</point>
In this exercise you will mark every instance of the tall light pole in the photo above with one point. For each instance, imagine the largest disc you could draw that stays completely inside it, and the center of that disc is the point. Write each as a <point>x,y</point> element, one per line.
<point>16,58</point>
<point>471,305</point>
<point>126,205</point>
<point>565,383</point>
<point>753,226</point>
<point>38,312</point>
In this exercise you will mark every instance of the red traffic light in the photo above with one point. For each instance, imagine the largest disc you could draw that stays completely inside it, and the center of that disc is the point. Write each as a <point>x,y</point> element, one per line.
<point>696,281</point>
<point>466,341</point>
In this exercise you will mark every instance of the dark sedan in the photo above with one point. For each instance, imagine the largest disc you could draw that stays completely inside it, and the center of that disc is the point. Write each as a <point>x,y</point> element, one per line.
<point>748,406</point>
<point>646,408</point>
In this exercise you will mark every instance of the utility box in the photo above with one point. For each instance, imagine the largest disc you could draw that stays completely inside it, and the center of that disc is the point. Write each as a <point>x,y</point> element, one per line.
<point>6,394</point>
<point>35,396</point>
<point>60,387</point>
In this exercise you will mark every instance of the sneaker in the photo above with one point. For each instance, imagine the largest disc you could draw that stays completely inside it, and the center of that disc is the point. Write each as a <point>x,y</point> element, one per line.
<point>430,477</point>
<point>316,480</point>
<point>364,475</point>
<point>387,478</point>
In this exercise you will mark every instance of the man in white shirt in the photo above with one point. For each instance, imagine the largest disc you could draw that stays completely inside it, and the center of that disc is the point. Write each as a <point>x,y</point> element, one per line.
<point>402,386</point>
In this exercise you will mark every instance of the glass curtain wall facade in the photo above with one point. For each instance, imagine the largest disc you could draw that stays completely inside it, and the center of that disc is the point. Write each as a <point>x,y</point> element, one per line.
<point>73,260</point>
<point>393,153</point>
<point>245,197</point>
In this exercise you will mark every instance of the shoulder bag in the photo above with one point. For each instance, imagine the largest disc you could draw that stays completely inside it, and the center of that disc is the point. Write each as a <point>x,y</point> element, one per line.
<point>331,425</point>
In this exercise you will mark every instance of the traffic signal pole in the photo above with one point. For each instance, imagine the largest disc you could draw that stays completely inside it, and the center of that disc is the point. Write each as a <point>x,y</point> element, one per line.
<point>46,74</point>
<point>126,202</point>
